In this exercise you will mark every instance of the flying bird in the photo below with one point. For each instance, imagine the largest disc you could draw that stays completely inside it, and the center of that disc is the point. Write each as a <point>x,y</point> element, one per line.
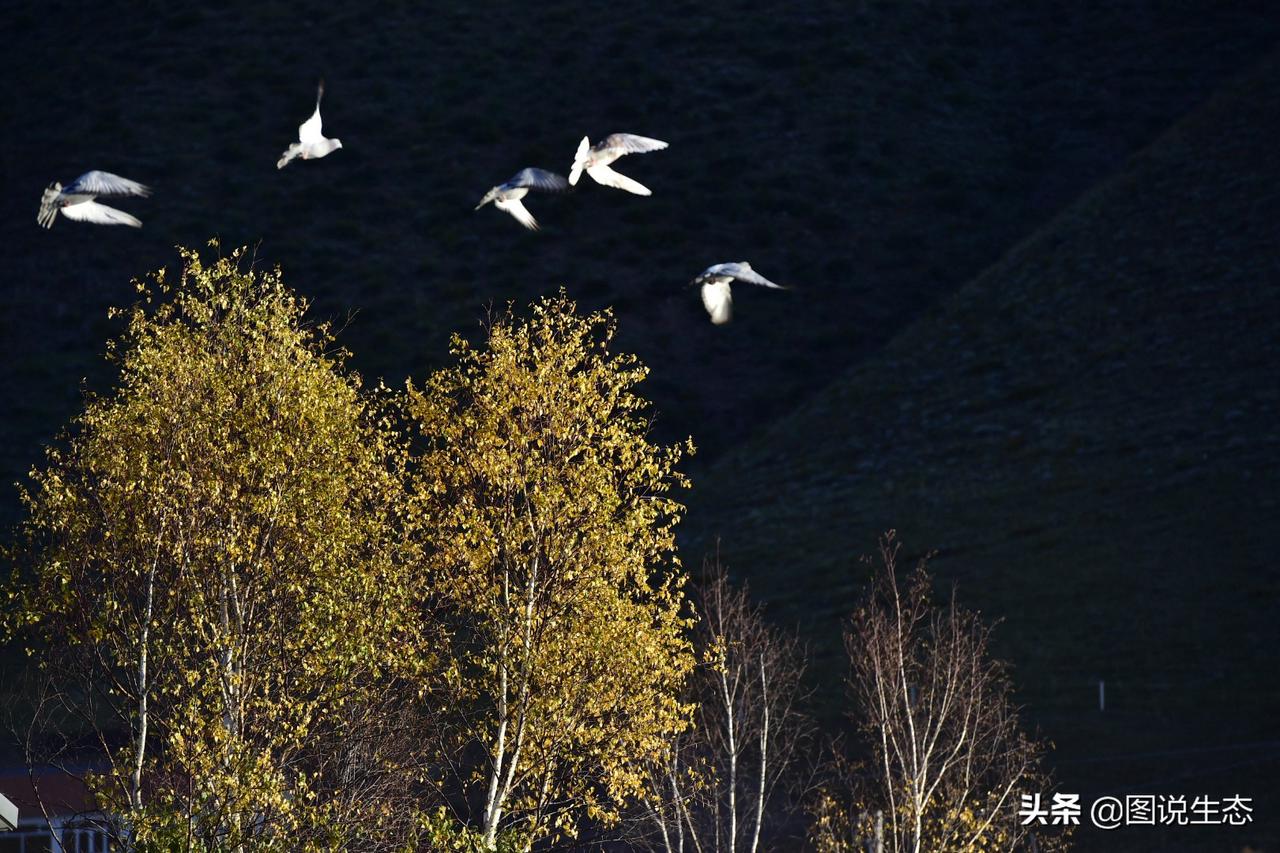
<point>715,287</point>
<point>311,144</point>
<point>595,160</point>
<point>76,200</point>
<point>507,196</point>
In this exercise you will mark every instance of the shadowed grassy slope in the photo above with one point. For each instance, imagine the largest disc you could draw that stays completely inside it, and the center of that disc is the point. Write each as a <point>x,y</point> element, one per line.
<point>876,155</point>
<point>1089,434</point>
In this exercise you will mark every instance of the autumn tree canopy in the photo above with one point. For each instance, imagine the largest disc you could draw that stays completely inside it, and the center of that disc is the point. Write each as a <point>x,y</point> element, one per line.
<point>213,568</point>
<point>551,548</point>
<point>275,609</point>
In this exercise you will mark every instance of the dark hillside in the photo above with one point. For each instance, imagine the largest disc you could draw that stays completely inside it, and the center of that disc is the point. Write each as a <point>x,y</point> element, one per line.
<point>876,155</point>
<point>1089,434</point>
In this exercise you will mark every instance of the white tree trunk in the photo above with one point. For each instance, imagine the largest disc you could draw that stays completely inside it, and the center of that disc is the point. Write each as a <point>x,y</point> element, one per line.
<point>764,754</point>
<point>144,686</point>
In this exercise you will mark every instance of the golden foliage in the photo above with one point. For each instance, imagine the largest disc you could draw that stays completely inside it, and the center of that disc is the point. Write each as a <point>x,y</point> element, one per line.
<point>213,548</point>
<point>549,521</point>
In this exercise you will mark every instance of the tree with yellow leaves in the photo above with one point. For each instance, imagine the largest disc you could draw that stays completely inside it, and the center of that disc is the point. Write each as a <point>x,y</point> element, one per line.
<point>549,522</point>
<point>213,574</point>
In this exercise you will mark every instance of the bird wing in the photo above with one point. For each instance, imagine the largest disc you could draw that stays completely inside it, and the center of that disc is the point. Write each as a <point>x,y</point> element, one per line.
<point>519,211</point>
<point>100,214</point>
<point>289,154</point>
<point>579,160</point>
<point>309,131</point>
<point>105,183</point>
<point>609,178</point>
<point>628,143</point>
<point>49,205</point>
<point>539,179</point>
<point>742,271</point>
<point>717,299</point>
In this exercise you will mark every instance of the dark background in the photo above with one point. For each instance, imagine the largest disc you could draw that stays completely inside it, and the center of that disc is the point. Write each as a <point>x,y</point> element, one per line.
<point>1034,320</point>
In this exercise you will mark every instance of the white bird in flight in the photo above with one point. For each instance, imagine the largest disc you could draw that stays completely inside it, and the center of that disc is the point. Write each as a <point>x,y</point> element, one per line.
<point>595,160</point>
<point>311,144</point>
<point>507,196</point>
<point>715,287</point>
<point>76,200</point>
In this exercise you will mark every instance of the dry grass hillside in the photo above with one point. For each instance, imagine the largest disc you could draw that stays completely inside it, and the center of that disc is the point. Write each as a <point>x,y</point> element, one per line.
<point>1089,435</point>
<point>876,155</point>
